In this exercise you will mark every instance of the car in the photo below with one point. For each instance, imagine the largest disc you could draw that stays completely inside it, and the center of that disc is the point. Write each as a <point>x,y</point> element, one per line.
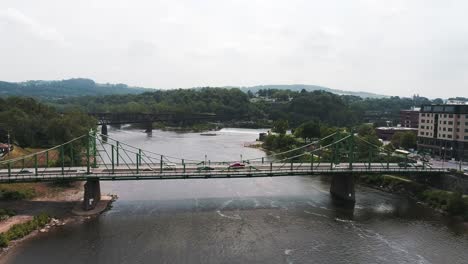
<point>237,165</point>
<point>465,169</point>
<point>24,171</point>
<point>205,168</point>
<point>169,166</point>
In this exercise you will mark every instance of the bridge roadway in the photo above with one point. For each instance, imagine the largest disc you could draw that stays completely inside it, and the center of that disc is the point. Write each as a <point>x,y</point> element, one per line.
<point>156,172</point>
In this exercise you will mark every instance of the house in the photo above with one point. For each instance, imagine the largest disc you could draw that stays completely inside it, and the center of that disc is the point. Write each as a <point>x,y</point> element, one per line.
<point>4,148</point>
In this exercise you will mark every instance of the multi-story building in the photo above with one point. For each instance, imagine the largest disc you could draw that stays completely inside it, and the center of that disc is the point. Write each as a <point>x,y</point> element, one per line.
<point>410,118</point>
<point>443,130</point>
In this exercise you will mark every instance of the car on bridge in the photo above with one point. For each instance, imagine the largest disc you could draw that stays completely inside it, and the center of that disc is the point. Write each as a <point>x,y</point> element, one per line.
<point>169,166</point>
<point>205,168</point>
<point>237,165</point>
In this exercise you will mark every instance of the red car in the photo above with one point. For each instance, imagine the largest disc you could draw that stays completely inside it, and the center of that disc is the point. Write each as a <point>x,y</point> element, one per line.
<point>237,165</point>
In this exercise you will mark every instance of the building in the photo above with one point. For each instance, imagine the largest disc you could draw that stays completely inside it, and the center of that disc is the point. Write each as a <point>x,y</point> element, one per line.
<point>443,130</point>
<point>386,133</point>
<point>3,148</point>
<point>410,118</point>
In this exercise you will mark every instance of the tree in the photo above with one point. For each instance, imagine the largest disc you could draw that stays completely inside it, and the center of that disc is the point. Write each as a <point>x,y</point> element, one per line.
<point>308,130</point>
<point>280,126</point>
<point>405,140</point>
<point>366,130</point>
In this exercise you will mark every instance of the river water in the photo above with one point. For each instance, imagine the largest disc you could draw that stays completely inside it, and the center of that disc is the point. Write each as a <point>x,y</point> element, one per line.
<point>256,220</point>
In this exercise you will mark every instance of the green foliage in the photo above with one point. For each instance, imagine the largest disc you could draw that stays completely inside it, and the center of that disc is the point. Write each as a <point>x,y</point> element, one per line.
<point>66,88</point>
<point>436,198</point>
<point>279,142</point>
<point>404,140</point>
<point>308,130</point>
<point>5,213</point>
<point>33,124</point>
<point>366,130</point>
<point>297,107</point>
<point>19,194</point>
<point>280,126</point>
<point>457,205</point>
<point>20,230</point>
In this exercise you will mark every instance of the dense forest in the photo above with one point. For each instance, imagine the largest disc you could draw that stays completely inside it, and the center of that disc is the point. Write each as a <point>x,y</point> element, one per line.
<point>33,124</point>
<point>270,104</point>
<point>37,124</point>
<point>51,90</point>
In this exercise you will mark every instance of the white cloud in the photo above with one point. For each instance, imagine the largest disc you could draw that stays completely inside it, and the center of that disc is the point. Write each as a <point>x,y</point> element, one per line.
<point>396,47</point>
<point>14,16</point>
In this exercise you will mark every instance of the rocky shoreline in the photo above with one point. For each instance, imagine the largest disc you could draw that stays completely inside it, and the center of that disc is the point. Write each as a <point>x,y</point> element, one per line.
<point>63,206</point>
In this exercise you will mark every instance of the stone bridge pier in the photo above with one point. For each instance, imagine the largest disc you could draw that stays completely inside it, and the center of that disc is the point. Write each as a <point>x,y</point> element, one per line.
<point>342,187</point>
<point>104,129</point>
<point>92,194</point>
<point>149,127</point>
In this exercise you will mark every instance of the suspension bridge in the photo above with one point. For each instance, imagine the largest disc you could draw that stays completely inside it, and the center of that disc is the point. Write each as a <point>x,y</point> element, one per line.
<point>95,157</point>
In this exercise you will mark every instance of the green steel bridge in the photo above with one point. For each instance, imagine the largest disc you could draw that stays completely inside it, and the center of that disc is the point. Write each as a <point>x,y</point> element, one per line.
<point>96,157</point>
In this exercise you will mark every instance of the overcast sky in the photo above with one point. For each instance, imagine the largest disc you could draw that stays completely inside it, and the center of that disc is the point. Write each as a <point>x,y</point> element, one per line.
<point>394,47</point>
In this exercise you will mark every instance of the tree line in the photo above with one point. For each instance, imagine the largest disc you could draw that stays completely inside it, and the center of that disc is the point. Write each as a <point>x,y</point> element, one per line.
<point>296,107</point>
<point>34,124</point>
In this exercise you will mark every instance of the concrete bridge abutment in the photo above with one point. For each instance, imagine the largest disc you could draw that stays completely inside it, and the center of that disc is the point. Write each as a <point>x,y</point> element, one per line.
<point>149,127</point>
<point>92,194</point>
<point>104,129</point>
<point>342,187</point>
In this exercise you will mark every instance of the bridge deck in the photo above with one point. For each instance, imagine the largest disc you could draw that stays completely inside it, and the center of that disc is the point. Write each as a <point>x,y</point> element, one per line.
<point>191,172</point>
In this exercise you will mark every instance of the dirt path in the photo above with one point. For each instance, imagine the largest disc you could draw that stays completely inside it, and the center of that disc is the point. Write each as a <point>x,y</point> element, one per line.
<point>17,219</point>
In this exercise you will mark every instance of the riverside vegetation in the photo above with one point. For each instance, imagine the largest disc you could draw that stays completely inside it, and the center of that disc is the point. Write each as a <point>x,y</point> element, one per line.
<point>452,203</point>
<point>18,231</point>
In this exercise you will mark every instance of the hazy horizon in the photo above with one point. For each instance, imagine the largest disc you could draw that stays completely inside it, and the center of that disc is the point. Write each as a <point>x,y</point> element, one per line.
<point>396,48</point>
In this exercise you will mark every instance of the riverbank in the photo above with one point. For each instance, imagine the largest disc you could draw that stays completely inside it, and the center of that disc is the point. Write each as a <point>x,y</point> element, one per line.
<point>448,203</point>
<point>56,200</point>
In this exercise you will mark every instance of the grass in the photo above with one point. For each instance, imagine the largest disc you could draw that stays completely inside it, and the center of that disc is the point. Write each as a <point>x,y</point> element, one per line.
<point>6,213</point>
<point>17,191</point>
<point>29,162</point>
<point>21,230</point>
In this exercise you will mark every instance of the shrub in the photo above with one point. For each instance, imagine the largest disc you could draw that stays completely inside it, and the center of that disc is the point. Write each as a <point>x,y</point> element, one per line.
<point>20,230</point>
<point>3,240</point>
<point>456,204</point>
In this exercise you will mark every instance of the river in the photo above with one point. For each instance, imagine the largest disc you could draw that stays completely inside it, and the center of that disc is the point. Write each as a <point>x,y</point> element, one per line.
<point>256,220</point>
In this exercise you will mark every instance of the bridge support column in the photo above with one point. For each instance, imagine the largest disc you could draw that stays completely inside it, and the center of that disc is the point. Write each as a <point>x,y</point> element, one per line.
<point>149,127</point>
<point>342,187</point>
<point>104,129</point>
<point>92,194</point>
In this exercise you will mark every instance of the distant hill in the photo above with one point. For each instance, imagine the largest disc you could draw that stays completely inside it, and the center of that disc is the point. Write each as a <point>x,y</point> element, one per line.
<point>299,87</point>
<point>53,90</point>
<point>65,88</point>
